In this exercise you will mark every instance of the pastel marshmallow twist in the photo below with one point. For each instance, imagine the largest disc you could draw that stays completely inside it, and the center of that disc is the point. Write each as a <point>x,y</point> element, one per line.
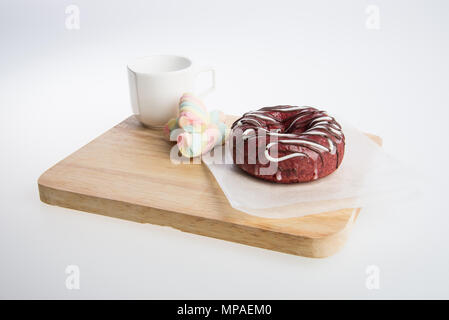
<point>196,131</point>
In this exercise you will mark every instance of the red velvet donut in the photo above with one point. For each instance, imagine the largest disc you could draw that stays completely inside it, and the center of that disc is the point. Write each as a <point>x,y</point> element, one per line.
<point>287,144</point>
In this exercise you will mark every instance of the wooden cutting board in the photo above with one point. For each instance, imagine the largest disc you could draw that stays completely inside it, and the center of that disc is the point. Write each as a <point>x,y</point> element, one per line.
<point>127,173</point>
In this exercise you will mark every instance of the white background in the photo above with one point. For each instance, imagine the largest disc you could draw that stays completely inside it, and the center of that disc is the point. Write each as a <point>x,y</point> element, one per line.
<point>61,88</point>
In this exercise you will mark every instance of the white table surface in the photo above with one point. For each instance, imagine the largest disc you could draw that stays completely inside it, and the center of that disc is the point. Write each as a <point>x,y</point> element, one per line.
<point>61,88</point>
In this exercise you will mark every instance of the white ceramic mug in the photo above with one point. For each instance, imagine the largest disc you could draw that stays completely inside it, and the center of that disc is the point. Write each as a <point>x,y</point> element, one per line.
<point>157,83</point>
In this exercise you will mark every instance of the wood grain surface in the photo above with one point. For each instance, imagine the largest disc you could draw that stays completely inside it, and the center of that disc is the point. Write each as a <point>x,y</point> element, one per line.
<point>126,173</point>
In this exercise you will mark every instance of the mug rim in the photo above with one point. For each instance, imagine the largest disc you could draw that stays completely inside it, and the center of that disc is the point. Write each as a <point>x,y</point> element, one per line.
<point>133,69</point>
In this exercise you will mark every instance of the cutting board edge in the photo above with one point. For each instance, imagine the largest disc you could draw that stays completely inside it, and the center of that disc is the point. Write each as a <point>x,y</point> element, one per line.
<point>312,247</point>
<point>47,190</point>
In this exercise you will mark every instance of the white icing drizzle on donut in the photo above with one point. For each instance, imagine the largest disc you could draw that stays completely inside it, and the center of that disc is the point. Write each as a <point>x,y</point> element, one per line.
<point>320,120</point>
<point>285,135</point>
<point>315,133</point>
<point>332,147</point>
<point>336,132</point>
<point>278,176</point>
<point>246,136</point>
<point>248,120</point>
<point>245,133</point>
<point>315,173</point>
<point>289,156</point>
<point>299,117</point>
<point>306,142</point>
<point>322,125</point>
<point>288,108</point>
<point>261,116</point>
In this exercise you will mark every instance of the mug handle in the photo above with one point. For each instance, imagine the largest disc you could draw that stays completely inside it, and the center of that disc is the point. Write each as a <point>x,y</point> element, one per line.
<point>212,87</point>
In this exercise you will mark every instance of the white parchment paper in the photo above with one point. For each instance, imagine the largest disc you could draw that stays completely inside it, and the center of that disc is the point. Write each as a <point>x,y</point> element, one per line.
<point>366,176</point>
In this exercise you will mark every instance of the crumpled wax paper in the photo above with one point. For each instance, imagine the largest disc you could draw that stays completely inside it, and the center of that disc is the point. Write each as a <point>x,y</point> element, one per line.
<point>367,175</point>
